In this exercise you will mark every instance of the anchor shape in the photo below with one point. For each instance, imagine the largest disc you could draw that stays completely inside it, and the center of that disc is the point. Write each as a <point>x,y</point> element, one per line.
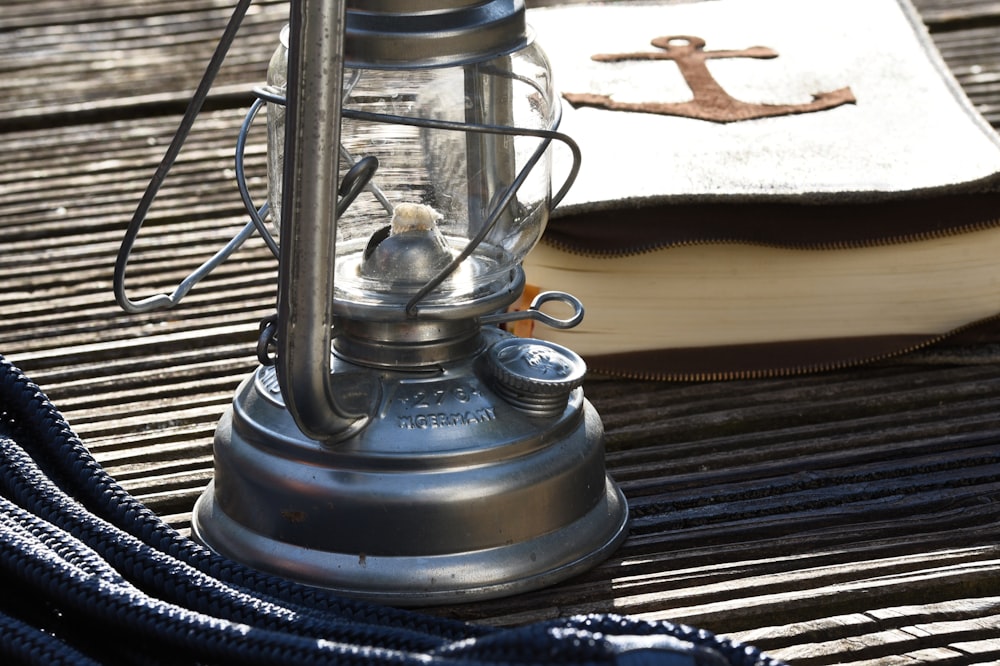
<point>710,101</point>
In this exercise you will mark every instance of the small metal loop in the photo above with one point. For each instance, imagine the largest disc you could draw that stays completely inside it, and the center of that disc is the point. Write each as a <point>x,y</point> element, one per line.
<point>267,340</point>
<point>555,322</point>
<point>535,313</point>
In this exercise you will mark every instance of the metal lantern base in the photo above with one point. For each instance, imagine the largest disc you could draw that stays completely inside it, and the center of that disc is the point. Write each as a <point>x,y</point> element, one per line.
<point>473,482</point>
<point>426,580</point>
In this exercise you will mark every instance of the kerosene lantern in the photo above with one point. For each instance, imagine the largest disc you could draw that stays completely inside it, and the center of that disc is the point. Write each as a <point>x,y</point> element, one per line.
<point>396,443</point>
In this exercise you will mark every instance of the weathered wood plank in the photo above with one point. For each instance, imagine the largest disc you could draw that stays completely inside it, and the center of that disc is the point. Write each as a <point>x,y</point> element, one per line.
<point>117,59</point>
<point>946,14</point>
<point>985,651</point>
<point>142,56</point>
<point>831,640</point>
<point>45,13</point>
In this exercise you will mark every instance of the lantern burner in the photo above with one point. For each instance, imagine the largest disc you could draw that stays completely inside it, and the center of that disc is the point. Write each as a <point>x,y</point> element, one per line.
<point>411,250</point>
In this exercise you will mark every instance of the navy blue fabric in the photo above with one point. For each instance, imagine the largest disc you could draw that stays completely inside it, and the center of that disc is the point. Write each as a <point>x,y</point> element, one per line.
<point>89,575</point>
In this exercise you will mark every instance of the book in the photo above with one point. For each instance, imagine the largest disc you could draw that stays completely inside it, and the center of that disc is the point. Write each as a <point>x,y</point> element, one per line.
<point>767,187</point>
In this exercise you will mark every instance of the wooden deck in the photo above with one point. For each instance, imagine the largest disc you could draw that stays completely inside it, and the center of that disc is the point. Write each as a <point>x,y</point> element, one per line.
<point>850,517</point>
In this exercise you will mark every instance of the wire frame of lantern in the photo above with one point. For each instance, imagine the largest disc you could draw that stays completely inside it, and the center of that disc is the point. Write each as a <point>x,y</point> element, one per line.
<point>503,209</point>
<point>477,182</point>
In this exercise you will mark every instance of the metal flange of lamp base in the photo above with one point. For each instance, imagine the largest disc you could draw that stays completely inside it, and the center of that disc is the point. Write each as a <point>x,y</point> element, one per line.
<point>432,579</point>
<point>509,495</point>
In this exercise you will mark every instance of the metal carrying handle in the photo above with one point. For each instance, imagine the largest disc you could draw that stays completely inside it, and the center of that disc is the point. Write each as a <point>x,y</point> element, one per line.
<point>173,150</point>
<point>355,181</point>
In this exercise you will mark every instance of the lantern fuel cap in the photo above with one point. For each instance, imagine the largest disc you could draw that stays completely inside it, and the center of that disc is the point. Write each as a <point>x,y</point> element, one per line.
<point>536,375</point>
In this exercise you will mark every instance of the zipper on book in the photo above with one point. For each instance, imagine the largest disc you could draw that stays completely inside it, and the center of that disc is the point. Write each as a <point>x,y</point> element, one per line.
<point>793,370</point>
<point>632,251</point>
<point>828,224</point>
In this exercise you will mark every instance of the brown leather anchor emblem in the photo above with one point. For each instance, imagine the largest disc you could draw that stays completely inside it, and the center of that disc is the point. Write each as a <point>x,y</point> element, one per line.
<point>710,101</point>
